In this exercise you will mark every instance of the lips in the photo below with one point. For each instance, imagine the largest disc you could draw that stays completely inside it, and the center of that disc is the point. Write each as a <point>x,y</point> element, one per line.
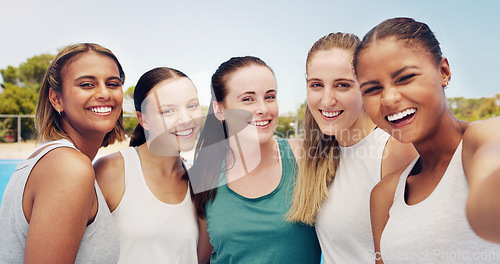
<point>101,109</point>
<point>330,114</point>
<point>183,133</point>
<point>260,123</point>
<point>401,116</point>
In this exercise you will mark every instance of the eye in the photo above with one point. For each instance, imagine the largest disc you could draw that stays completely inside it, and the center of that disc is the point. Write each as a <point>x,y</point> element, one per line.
<point>406,79</point>
<point>372,90</point>
<point>167,111</point>
<point>114,85</point>
<point>343,85</point>
<point>247,99</point>
<point>86,85</point>
<point>316,85</point>
<point>193,106</point>
<point>270,97</point>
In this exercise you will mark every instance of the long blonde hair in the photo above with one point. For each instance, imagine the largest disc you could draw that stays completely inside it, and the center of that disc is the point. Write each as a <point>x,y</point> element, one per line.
<point>320,158</point>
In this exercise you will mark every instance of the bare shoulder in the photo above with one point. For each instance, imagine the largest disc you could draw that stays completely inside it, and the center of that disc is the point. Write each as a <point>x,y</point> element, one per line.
<point>296,146</point>
<point>66,166</point>
<point>109,166</point>
<point>397,156</point>
<point>483,131</point>
<point>110,175</point>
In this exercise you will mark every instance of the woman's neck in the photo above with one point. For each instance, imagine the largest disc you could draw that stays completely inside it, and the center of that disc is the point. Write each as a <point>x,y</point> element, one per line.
<point>442,141</point>
<point>168,165</point>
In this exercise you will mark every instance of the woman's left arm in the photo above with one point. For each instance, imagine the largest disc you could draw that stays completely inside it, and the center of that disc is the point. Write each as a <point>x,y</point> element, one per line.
<point>481,162</point>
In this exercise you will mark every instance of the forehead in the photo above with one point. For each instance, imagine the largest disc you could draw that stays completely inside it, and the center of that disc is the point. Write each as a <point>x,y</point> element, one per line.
<point>251,78</point>
<point>171,91</point>
<point>90,63</point>
<point>332,61</point>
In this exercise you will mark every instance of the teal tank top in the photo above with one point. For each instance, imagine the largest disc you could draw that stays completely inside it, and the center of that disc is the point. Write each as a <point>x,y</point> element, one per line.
<point>254,230</point>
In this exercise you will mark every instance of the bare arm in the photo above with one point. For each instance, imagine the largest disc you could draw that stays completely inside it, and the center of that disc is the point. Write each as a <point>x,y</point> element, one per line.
<point>381,200</point>
<point>110,175</point>
<point>204,248</point>
<point>58,202</point>
<point>481,161</point>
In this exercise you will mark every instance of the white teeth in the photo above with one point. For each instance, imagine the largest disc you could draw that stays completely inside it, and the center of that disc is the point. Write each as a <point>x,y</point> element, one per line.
<point>260,123</point>
<point>401,114</point>
<point>183,132</point>
<point>103,109</point>
<point>330,113</point>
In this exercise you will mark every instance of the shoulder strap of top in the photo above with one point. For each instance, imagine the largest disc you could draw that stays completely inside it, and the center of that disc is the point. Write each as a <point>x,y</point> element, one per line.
<point>46,148</point>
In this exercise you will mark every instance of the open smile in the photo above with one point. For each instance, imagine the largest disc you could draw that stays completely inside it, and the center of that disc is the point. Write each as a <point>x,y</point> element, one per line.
<point>401,116</point>
<point>183,133</point>
<point>330,114</point>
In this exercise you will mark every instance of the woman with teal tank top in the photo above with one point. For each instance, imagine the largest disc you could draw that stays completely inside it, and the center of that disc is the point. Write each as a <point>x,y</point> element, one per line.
<point>243,176</point>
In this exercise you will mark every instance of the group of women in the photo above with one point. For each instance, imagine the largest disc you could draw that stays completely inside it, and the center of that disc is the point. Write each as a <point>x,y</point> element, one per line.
<point>385,173</point>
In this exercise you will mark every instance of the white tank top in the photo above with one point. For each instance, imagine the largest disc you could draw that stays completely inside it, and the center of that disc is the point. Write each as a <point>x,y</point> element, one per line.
<point>435,230</point>
<point>343,222</point>
<point>152,231</point>
<point>100,240</point>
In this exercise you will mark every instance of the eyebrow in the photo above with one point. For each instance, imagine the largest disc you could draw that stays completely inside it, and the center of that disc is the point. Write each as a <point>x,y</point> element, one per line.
<point>398,72</point>
<point>93,78</point>
<point>336,80</point>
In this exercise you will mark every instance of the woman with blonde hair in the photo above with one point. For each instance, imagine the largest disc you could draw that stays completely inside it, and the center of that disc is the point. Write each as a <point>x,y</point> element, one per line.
<point>344,155</point>
<point>53,210</point>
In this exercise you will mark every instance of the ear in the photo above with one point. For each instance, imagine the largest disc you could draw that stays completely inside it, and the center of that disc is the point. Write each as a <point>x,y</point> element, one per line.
<point>444,68</point>
<point>142,120</point>
<point>56,100</point>
<point>217,107</point>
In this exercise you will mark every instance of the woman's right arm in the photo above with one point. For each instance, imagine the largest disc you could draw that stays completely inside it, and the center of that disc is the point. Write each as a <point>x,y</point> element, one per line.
<point>58,204</point>
<point>381,199</point>
<point>110,175</point>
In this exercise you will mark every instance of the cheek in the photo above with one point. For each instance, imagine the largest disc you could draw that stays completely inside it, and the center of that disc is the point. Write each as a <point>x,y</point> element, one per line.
<point>372,106</point>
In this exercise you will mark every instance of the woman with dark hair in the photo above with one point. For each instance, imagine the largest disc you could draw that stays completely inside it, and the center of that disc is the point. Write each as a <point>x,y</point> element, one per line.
<point>419,216</point>
<point>52,210</point>
<point>244,176</point>
<point>146,185</point>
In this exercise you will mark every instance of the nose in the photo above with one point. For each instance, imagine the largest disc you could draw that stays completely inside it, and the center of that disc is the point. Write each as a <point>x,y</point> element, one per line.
<point>102,92</point>
<point>328,97</point>
<point>184,117</point>
<point>262,108</point>
<point>390,96</point>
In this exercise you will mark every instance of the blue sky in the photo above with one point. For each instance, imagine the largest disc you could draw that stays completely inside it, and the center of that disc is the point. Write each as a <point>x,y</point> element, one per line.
<point>196,36</point>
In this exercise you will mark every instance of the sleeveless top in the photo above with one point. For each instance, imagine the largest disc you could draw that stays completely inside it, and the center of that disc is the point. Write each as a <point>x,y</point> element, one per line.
<point>343,221</point>
<point>100,240</point>
<point>435,230</point>
<point>152,231</point>
<point>254,230</point>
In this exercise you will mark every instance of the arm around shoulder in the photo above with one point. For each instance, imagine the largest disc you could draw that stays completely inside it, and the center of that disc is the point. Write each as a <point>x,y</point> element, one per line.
<point>110,175</point>
<point>480,156</point>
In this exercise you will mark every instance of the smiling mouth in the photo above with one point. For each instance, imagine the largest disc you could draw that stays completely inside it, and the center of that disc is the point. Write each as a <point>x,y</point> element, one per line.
<point>331,114</point>
<point>101,109</point>
<point>183,133</point>
<point>401,116</point>
<point>260,123</point>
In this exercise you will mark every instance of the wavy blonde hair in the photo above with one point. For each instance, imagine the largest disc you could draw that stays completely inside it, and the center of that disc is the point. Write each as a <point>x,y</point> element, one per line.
<point>320,159</point>
<point>47,120</point>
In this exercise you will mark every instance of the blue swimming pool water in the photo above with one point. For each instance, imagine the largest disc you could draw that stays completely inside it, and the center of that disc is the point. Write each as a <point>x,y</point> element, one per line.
<point>7,167</point>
